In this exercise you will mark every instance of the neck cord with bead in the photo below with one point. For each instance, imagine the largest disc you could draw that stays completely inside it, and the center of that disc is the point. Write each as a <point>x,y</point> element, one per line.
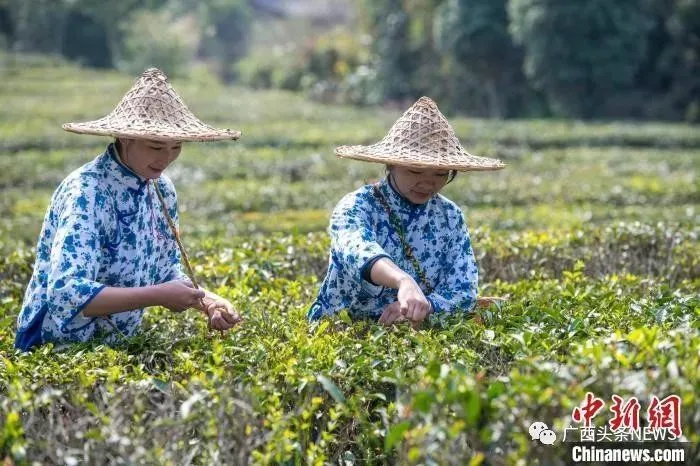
<point>176,236</point>
<point>400,231</point>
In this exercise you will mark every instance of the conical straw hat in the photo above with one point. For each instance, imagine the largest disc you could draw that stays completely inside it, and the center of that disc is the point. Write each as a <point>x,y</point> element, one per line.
<point>421,138</point>
<point>152,110</point>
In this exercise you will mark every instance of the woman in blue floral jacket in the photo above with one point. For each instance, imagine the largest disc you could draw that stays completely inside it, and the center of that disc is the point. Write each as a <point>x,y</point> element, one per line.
<point>106,250</point>
<point>400,250</point>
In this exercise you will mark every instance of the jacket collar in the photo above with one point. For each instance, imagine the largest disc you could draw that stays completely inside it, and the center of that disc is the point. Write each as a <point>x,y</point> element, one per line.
<point>398,201</point>
<point>121,173</point>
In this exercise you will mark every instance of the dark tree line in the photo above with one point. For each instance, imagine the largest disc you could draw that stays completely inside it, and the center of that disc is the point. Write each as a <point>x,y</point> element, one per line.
<point>582,58</point>
<point>499,58</point>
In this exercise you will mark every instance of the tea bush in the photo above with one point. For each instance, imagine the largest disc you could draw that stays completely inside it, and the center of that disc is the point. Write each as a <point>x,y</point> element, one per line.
<point>591,233</point>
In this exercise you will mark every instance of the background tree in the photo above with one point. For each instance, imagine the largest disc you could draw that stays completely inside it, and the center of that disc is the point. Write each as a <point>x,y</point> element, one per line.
<point>112,18</point>
<point>85,41</point>
<point>497,58</point>
<point>6,26</point>
<point>388,23</point>
<point>37,26</point>
<point>225,27</point>
<point>473,35</point>
<point>684,29</point>
<point>580,52</point>
<point>159,38</point>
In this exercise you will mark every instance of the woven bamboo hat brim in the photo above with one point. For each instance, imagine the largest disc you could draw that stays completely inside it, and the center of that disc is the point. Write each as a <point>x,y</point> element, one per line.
<point>152,110</point>
<point>421,138</point>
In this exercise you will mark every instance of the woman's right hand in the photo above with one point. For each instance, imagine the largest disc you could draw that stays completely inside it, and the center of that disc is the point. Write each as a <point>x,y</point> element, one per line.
<point>178,295</point>
<point>411,304</point>
<point>414,305</point>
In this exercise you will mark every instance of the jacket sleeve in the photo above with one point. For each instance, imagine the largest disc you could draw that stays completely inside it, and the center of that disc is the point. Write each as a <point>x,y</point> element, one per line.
<point>354,243</point>
<point>74,266</point>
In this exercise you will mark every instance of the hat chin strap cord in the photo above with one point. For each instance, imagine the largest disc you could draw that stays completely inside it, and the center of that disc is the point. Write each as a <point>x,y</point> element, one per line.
<point>183,253</point>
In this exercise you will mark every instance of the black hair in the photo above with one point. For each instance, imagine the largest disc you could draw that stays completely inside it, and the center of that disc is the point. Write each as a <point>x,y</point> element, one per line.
<point>452,175</point>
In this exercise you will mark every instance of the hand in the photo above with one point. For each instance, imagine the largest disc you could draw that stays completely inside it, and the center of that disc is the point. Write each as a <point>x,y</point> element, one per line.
<point>486,301</point>
<point>392,314</point>
<point>413,304</point>
<point>178,295</point>
<point>222,316</point>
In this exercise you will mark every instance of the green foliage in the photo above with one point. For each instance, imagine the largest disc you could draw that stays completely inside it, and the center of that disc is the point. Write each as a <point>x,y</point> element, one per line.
<point>131,34</point>
<point>390,24</point>
<point>498,59</point>
<point>157,38</point>
<point>229,21</point>
<point>149,421</point>
<point>501,59</point>
<point>111,17</point>
<point>36,25</point>
<point>474,34</point>
<point>327,68</point>
<point>602,285</point>
<point>85,41</point>
<point>681,58</point>
<point>590,48</point>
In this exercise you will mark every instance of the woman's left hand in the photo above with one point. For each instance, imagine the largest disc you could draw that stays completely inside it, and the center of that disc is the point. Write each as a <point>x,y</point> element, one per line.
<point>222,315</point>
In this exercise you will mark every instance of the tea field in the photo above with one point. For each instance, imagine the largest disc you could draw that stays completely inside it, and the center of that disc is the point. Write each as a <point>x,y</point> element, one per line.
<point>591,232</point>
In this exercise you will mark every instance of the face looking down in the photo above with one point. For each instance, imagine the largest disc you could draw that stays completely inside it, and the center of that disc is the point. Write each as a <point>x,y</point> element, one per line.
<point>148,158</point>
<point>419,185</point>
